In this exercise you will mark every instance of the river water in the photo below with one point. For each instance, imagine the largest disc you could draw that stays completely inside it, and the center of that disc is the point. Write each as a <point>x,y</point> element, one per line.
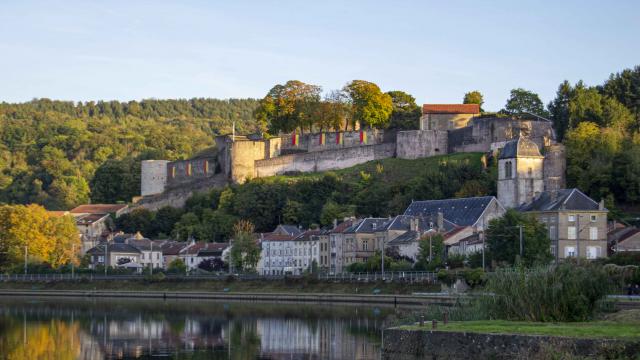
<point>74,328</point>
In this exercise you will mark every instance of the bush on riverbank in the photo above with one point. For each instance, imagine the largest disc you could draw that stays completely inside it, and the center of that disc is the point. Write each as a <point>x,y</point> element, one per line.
<point>567,292</point>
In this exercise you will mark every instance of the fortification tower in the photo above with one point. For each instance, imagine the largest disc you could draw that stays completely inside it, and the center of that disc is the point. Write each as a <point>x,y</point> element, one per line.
<point>520,172</point>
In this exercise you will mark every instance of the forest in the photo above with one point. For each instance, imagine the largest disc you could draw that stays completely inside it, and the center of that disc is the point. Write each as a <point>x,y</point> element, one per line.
<point>60,154</point>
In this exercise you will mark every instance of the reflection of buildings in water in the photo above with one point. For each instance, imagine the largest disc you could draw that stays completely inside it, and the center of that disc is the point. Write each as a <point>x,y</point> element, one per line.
<point>330,339</point>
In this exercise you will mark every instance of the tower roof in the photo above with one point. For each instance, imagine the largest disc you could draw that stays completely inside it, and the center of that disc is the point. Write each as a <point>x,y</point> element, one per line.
<point>520,147</point>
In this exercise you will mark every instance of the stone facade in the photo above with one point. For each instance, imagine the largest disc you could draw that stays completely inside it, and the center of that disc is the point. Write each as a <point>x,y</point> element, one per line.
<point>421,143</point>
<point>153,177</point>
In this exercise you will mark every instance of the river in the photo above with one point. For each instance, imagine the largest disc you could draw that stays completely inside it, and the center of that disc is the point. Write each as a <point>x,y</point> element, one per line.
<point>111,328</point>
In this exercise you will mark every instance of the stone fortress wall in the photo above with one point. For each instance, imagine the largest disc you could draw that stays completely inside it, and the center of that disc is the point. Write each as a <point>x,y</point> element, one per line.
<point>240,158</point>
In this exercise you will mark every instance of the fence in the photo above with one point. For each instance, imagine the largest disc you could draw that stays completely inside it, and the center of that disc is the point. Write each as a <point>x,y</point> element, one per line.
<point>391,276</point>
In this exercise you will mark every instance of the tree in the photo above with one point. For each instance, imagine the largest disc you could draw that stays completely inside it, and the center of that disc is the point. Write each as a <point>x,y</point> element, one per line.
<point>406,113</point>
<point>138,220</point>
<point>559,109</point>
<point>289,106</point>
<point>431,251</point>
<point>625,87</point>
<point>245,252</point>
<point>212,264</point>
<point>333,211</point>
<point>474,97</point>
<point>116,180</point>
<point>503,239</point>
<point>524,101</point>
<point>369,105</point>
<point>49,239</point>
<point>177,266</point>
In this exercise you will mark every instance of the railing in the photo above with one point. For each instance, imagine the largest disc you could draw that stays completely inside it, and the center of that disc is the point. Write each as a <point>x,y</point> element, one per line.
<point>391,276</point>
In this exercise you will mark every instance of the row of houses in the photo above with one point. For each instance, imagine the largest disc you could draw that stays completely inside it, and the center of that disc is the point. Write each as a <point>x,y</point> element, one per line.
<point>137,253</point>
<point>568,214</point>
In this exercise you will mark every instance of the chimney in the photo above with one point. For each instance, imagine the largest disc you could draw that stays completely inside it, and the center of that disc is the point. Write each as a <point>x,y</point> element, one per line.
<point>413,224</point>
<point>440,220</point>
<point>601,205</point>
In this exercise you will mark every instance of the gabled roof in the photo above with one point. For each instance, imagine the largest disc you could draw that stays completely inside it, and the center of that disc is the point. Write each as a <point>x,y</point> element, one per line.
<point>520,147</point>
<point>307,235</point>
<point>146,244</point>
<point>461,212</point>
<point>565,199</point>
<point>403,222</point>
<point>98,208</point>
<point>88,219</point>
<point>290,230</point>
<point>451,109</point>
<point>204,249</point>
<point>173,247</point>
<point>406,238</point>
<point>368,226</point>
<point>114,248</point>
<point>342,227</point>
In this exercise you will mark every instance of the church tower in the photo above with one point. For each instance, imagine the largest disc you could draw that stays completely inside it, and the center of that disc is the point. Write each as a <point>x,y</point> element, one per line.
<point>520,172</point>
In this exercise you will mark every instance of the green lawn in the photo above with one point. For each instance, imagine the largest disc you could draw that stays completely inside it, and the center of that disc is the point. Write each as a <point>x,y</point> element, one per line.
<point>595,329</point>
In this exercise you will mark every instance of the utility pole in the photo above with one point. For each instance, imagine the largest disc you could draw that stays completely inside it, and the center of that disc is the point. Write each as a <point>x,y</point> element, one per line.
<point>483,246</point>
<point>151,255</point>
<point>26,252</point>
<point>382,259</point>
<point>106,256</point>
<point>521,242</point>
<point>73,255</point>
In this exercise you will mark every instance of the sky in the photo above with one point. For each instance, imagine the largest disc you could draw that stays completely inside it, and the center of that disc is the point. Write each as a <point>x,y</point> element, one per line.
<point>434,50</point>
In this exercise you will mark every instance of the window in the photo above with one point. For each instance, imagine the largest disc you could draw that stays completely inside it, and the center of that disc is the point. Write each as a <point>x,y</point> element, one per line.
<point>569,251</point>
<point>571,218</point>
<point>593,233</point>
<point>553,250</point>
<point>552,232</point>
<point>594,218</point>
<point>571,232</point>
<point>593,252</point>
<point>508,170</point>
<point>100,258</point>
<point>365,245</point>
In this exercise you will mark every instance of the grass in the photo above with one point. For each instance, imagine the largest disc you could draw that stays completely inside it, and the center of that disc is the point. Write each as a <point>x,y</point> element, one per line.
<point>275,286</point>
<point>628,328</point>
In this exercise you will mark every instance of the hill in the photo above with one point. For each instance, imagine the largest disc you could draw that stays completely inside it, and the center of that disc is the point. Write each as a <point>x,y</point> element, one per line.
<point>378,188</point>
<point>60,154</point>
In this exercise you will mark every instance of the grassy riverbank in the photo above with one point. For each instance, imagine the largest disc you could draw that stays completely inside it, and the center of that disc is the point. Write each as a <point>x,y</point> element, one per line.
<point>275,286</point>
<point>622,325</point>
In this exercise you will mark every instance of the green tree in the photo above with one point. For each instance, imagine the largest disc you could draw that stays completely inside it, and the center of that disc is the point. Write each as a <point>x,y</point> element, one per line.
<point>559,109</point>
<point>369,105</point>
<point>334,211</point>
<point>503,239</point>
<point>177,266</point>
<point>138,220</point>
<point>245,251</point>
<point>116,180</point>
<point>474,97</point>
<point>288,107</point>
<point>431,251</point>
<point>406,113</point>
<point>524,101</point>
<point>625,87</point>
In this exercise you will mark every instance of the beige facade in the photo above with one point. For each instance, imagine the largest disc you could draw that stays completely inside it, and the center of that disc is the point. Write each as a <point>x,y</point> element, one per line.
<point>444,122</point>
<point>583,232</point>
<point>324,253</point>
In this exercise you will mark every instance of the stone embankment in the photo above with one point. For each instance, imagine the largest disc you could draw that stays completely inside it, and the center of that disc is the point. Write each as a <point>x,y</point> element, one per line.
<point>400,344</point>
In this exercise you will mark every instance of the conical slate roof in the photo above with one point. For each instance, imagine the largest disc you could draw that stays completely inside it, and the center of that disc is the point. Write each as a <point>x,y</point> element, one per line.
<point>520,147</point>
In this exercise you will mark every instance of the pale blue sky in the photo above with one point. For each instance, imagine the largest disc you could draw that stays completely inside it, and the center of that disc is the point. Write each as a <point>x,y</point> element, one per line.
<point>435,50</point>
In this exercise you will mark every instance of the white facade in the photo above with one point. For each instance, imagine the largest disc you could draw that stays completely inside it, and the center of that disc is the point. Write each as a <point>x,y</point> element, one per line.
<point>152,257</point>
<point>281,257</point>
<point>336,260</point>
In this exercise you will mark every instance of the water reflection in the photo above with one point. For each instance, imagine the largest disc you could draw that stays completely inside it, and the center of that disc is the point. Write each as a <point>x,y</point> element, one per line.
<point>187,329</point>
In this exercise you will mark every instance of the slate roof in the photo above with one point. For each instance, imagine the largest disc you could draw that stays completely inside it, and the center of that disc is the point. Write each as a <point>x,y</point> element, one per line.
<point>403,222</point>
<point>204,249</point>
<point>173,247</point>
<point>368,226</point>
<point>291,230</point>
<point>406,238</point>
<point>119,248</point>
<point>308,234</point>
<point>461,212</point>
<point>520,147</point>
<point>451,109</point>
<point>145,244</point>
<point>342,227</point>
<point>565,199</point>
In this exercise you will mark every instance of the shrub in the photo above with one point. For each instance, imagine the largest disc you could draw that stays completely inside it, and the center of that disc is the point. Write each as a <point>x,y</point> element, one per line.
<point>566,292</point>
<point>473,277</point>
<point>447,277</point>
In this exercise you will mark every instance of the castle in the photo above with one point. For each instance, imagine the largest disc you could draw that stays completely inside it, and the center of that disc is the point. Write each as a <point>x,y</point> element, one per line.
<point>444,129</point>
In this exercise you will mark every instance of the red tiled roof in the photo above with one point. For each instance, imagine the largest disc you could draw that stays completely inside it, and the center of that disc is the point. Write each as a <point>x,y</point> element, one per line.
<point>451,109</point>
<point>342,227</point>
<point>277,237</point>
<point>98,208</point>
<point>454,231</point>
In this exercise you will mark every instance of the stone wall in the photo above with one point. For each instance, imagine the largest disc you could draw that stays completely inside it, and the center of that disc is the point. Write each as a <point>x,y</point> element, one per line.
<point>555,167</point>
<point>182,172</point>
<point>176,197</point>
<point>323,160</point>
<point>444,122</point>
<point>330,140</point>
<point>488,133</point>
<point>153,177</point>
<point>414,344</point>
<point>421,143</point>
